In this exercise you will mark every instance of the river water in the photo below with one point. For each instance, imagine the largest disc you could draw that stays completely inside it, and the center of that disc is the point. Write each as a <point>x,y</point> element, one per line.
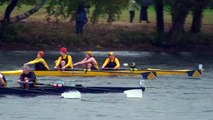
<point>170,97</point>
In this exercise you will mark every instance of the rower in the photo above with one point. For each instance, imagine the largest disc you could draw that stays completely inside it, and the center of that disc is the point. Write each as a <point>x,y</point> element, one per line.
<point>64,61</point>
<point>27,78</point>
<point>39,62</point>
<point>88,62</point>
<point>111,62</point>
<point>3,81</point>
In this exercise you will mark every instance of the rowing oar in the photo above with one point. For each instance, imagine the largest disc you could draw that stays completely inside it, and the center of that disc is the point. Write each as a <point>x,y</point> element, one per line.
<point>136,93</point>
<point>131,93</point>
<point>79,86</point>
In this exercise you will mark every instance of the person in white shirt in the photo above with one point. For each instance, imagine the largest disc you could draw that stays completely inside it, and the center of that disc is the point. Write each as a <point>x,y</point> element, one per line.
<point>88,62</point>
<point>3,81</point>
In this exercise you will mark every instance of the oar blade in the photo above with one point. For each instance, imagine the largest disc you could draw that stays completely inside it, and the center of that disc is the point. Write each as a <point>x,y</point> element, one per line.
<point>195,73</point>
<point>149,75</point>
<point>134,93</point>
<point>71,95</point>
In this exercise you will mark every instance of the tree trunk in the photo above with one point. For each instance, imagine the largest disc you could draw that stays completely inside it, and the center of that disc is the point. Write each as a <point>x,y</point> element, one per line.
<point>9,10</point>
<point>159,7</point>
<point>197,20</point>
<point>28,13</point>
<point>197,14</point>
<point>7,17</point>
<point>180,13</point>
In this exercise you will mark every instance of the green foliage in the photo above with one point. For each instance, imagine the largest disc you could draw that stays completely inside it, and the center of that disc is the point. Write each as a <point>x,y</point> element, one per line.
<point>8,33</point>
<point>21,2</point>
<point>11,33</point>
<point>188,38</point>
<point>65,9</point>
<point>134,37</point>
<point>2,2</point>
<point>111,8</point>
<point>210,5</point>
<point>62,9</point>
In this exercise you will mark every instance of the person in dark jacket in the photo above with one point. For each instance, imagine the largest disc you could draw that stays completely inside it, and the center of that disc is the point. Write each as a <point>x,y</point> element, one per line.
<point>81,19</point>
<point>143,12</point>
<point>27,78</point>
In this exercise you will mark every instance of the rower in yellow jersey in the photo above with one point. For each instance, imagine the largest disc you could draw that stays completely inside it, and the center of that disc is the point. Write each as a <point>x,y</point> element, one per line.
<point>39,62</point>
<point>111,62</point>
<point>64,61</point>
<point>88,62</point>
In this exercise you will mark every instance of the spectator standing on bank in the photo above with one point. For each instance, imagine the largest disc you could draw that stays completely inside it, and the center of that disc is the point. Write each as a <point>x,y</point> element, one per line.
<point>143,12</point>
<point>132,8</point>
<point>81,19</point>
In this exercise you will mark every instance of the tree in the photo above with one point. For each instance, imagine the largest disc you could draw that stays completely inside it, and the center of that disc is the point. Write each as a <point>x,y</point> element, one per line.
<point>62,9</point>
<point>180,10</point>
<point>65,9</point>
<point>159,7</point>
<point>7,19</point>
<point>9,10</point>
<point>197,14</point>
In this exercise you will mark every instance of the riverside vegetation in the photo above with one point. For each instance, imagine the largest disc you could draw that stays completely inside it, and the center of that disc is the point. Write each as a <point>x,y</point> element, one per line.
<point>48,31</point>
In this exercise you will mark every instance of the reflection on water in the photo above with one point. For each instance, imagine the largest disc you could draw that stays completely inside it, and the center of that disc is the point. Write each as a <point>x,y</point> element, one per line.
<point>171,97</point>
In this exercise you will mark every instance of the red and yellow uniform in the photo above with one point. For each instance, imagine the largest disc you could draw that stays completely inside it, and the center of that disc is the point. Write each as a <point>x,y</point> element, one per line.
<point>67,59</point>
<point>111,63</point>
<point>39,62</point>
<point>64,61</point>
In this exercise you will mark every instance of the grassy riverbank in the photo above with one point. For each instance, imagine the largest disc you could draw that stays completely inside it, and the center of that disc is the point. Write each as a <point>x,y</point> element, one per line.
<point>101,36</point>
<point>36,34</point>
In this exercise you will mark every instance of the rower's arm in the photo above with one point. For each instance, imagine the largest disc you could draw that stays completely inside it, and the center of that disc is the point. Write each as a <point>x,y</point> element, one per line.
<point>45,64</point>
<point>3,82</point>
<point>105,63</point>
<point>69,64</point>
<point>58,62</point>
<point>34,61</point>
<point>117,63</point>
<point>81,62</point>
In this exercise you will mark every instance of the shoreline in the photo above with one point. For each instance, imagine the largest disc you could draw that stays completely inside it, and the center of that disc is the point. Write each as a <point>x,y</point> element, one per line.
<point>117,36</point>
<point>143,48</point>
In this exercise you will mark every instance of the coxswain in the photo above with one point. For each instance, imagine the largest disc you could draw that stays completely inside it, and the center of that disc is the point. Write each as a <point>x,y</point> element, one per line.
<point>27,78</point>
<point>3,81</point>
<point>88,62</point>
<point>111,62</point>
<point>64,61</point>
<point>39,62</point>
